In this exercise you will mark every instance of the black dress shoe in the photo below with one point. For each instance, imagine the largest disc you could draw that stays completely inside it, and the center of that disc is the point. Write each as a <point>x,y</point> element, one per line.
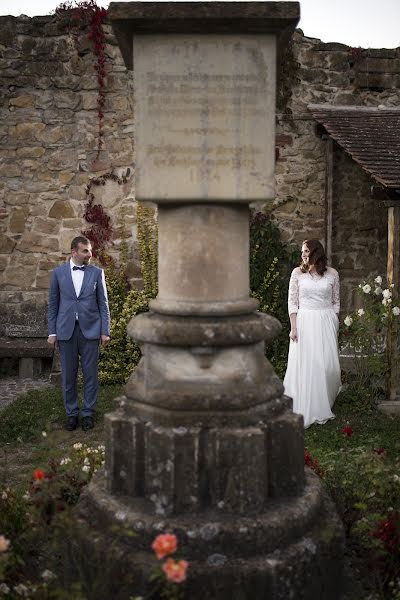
<point>87,423</point>
<point>72,423</point>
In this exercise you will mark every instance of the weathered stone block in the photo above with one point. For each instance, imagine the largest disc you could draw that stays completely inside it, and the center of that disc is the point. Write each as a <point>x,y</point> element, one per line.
<point>237,469</point>
<point>10,169</point>
<point>23,101</point>
<point>18,219</point>
<point>35,242</point>
<point>30,152</point>
<point>26,131</point>
<point>65,177</point>
<point>43,280</point>
<point>159,468</point>
<point>285,449</point>
<point>125,463</point>
<point>44,225</point>
<point>16,198</point>
<point>20,276</point>
<point>29,368</point>
<point>61,209</point>
<point>7,245</point>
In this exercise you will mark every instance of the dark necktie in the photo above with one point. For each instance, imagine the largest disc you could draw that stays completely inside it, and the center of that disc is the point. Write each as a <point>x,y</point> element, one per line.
<point>78,268</point>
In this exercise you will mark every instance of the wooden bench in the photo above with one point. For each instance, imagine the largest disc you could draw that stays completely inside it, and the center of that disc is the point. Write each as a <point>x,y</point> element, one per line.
<point>29,352</point>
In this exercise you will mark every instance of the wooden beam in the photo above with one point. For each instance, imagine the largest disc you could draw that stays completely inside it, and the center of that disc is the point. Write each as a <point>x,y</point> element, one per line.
<point>328,197</point>
<point>392,404</point>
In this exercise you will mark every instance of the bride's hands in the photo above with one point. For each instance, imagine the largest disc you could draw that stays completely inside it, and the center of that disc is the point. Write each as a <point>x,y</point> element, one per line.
<point>293,335</point>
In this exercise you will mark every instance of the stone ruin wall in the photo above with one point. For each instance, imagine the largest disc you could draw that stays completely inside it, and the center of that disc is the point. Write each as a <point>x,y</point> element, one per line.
<point>335,74</point>
<point>48,138</point>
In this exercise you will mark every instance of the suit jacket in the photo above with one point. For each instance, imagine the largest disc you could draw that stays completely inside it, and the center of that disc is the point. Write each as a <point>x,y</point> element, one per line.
<point>91,305</point>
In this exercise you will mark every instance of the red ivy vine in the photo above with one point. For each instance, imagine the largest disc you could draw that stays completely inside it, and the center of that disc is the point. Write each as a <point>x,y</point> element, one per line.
<point>100,233</point>
<point>86,14</point>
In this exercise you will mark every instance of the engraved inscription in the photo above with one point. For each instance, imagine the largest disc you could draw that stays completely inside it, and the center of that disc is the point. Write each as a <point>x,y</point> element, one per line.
<point>204,115</point>
<point>199,95</point>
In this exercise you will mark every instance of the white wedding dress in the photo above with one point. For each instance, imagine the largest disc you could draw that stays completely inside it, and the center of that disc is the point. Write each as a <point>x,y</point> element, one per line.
<point>313,372</point>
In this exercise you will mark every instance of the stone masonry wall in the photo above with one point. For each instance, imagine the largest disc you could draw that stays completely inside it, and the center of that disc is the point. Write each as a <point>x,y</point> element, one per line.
<point>338,75</point>
<point>48,140</point>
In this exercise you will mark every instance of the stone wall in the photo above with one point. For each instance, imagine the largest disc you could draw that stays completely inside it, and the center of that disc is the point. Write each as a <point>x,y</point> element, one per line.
<point>359,240</point>
<point>48,140</point>
<point>338,75</point>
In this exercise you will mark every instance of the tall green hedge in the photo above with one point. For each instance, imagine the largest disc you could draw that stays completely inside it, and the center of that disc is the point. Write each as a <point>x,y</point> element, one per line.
<point>271,263</point>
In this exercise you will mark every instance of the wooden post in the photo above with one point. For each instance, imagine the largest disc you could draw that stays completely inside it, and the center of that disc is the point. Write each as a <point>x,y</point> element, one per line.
<point>392,404</point>
<point>328,197</point>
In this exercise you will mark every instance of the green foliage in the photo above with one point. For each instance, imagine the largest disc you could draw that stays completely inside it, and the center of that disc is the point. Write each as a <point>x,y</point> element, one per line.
<point>361,473</point>
<point>271,263</point>
<point>122,354</point>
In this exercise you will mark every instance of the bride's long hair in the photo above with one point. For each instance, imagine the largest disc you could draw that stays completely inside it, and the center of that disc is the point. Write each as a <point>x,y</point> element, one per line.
<point>317,257</point>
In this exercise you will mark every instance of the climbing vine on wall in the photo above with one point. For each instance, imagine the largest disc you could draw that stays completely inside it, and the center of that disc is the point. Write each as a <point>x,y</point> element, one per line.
<point>101,230</point>
<point>80,17</point>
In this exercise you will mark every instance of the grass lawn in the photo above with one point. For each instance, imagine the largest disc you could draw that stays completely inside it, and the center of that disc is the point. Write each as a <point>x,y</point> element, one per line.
<point>361,470</point>
<point>22,423</point>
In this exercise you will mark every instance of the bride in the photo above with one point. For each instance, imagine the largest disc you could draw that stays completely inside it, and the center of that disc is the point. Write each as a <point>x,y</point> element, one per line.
<point>313,372</point>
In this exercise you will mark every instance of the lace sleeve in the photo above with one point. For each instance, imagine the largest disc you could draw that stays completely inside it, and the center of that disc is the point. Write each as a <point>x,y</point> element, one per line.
<point>336,293</point>
<point>293,296</point>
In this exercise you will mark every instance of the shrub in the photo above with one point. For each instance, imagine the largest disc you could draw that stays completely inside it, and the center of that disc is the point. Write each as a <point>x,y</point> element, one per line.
<point>271,264</point>
<point>365,336</point>
<point>122,354</point>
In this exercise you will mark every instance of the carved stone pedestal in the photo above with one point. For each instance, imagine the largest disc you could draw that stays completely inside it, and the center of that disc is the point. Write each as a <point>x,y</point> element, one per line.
<point>204,444</point>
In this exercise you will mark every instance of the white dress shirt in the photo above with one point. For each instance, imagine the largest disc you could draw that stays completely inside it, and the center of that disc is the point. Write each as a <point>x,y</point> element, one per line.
<point>77,277</point>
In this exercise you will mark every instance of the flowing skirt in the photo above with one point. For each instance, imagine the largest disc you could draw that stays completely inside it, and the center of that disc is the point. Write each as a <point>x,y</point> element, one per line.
<point>313,372</point>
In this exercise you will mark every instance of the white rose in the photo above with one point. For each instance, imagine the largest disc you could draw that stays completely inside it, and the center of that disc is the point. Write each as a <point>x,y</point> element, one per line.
<point>348,321</point>
<point>366,288</point>
<point>389,300</point>
<point>396,311</point>
<point>77,446</point>
<point>386,294</point>
<point>361,312</point>
<point>384,302</point>
<point>86,468</point>
<point>378,291</point>
<point>378,280</point>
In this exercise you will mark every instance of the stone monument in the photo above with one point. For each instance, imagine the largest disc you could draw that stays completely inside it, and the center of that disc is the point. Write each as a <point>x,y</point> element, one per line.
<point>205,444</point>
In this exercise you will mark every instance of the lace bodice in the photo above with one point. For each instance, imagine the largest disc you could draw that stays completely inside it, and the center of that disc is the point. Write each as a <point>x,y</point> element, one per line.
<point>314,292</point>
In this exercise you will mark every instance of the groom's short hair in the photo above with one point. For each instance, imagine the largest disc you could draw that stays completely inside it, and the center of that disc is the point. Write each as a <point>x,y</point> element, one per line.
<point>79,239</point>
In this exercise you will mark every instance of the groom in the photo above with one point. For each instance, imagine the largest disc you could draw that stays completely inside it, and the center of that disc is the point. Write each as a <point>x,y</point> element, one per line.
<point>79,320</point>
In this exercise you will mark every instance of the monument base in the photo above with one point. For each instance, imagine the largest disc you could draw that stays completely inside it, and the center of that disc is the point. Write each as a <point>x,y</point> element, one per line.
<point>292,549</point>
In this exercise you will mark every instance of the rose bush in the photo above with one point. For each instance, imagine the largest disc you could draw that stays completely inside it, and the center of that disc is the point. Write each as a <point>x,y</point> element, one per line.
<point>365,333</point>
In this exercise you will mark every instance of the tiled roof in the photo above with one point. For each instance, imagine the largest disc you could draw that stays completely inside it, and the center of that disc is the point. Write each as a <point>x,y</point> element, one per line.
<point>370,135</point>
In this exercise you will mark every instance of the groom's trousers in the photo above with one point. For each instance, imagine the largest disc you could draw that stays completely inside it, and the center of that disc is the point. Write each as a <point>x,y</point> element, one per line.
<point>70,351</point>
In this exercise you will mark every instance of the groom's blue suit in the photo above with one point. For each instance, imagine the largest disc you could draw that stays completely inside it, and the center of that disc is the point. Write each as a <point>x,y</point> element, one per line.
<point>78,322</point>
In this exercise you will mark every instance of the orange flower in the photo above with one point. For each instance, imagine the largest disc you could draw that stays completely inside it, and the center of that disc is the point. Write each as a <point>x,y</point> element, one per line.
<point>4,543</point>
<point>165,544</point>
<point>38,474</point>
<point>175,570</point>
